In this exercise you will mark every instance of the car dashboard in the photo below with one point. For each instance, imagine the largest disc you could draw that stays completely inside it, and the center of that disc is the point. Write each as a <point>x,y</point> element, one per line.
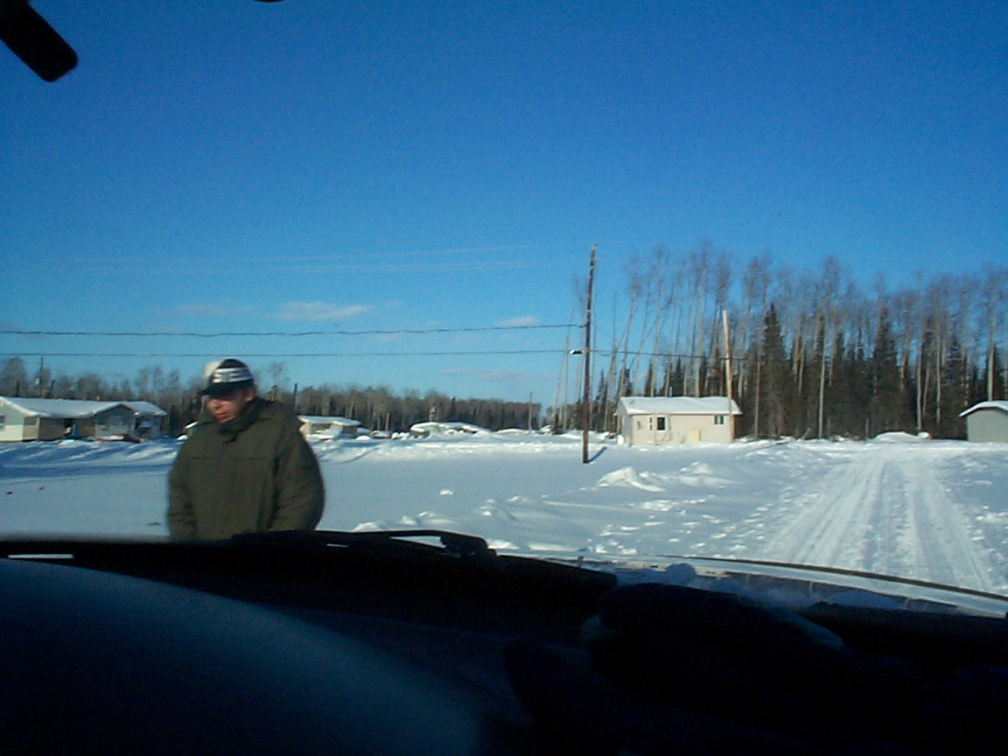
<point>430,642</point>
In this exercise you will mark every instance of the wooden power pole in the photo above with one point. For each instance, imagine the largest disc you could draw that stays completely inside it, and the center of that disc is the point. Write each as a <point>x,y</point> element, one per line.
<point>586,399</point>
<point>728,375</point>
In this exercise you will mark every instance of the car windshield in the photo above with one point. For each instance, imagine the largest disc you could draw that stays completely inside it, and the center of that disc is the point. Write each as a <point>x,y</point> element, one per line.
<point>610,283</point>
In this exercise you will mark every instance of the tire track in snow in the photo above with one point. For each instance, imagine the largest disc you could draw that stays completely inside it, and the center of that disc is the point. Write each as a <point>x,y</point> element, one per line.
<point>833,519</point>
<point>882,510</point>
<point>939,536</point>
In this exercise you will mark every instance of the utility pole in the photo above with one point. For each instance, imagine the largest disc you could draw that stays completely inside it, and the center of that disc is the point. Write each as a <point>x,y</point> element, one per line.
<point>728,375</point>
<point>586,400</point>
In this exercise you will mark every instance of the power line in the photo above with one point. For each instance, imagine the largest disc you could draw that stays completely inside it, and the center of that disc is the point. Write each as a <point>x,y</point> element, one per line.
<point>461,353</point>
<point>286,334</point>
<point>287,356</point>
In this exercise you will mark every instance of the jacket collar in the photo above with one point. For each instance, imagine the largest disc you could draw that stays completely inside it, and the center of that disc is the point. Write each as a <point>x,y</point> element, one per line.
<point>244,420</point>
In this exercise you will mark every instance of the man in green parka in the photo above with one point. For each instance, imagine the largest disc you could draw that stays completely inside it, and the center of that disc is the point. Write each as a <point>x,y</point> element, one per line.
<point>245,468</point>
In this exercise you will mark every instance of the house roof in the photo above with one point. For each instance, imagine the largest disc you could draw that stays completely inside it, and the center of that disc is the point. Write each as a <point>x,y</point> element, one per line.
<point>996,404</point>
<point>75,408</point>
<point>676,405</point>
<point>145,408</point>
<point>58,408</point>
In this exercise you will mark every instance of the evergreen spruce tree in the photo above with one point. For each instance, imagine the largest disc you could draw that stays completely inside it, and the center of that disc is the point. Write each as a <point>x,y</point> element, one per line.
<point>626,385</point>
<point>889,403</point>
<point>649,380</point>
<point>838,405</point>
<point>678,376</point>
<point>777,385</point>
<point>995,380</point>
<point>955,389</point>
<point>600,407</point>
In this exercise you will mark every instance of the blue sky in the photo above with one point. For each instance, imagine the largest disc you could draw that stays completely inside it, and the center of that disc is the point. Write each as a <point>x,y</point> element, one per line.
<point>315,166</point>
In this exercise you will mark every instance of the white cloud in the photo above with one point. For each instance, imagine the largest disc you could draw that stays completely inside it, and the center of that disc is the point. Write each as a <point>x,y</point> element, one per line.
<point>317,311</point>
<point>524,320</point>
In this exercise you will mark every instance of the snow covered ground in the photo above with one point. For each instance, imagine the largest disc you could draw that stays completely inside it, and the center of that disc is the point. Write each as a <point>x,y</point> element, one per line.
<point>897,505</point>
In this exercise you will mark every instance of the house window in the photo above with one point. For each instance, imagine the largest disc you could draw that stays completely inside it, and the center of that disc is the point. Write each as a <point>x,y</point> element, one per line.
<point>30,420</point>
<point>650,423</point>
<point>661,423</point>
<point>3,422</point>
<point>719,419</point>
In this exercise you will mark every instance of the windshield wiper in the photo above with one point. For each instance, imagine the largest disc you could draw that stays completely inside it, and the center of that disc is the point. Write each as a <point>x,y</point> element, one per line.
<point>453,544</point>
<point>457,545</point>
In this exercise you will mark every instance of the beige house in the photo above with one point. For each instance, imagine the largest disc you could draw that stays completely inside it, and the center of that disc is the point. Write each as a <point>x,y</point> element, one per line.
<point>676,419</point>
<point>27,419</point>
<point>987,421</point>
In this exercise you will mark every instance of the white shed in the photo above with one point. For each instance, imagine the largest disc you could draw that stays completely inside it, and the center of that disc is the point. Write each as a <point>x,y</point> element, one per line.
<point>987,421</point>
<point>676,419</point>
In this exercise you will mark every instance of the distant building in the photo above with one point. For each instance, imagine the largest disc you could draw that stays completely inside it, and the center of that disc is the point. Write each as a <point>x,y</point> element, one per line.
<point>27,419</point>
<point>676,419</point>
<point>444,428</point>
<point>328,427</point>
<point>987,421</point>
<point>148,419</point>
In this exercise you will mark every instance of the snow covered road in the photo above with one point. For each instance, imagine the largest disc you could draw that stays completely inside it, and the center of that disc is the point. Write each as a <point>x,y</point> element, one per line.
<point>882,510</point>
<point>929,510</point>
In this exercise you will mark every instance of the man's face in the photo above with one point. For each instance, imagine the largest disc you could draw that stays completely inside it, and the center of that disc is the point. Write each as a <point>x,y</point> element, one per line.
<point>229,406</point>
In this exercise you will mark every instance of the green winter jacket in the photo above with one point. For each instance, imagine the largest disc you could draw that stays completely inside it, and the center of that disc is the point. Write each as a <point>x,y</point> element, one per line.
<point>252,474</point>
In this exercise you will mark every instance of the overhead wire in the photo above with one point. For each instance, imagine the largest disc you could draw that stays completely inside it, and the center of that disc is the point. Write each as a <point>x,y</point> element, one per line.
<point>289,355</point>
<point>286,334</point>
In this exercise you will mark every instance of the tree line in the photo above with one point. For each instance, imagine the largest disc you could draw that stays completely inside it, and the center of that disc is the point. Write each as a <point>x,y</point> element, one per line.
<point>812,353</point>
<point>376,408</point>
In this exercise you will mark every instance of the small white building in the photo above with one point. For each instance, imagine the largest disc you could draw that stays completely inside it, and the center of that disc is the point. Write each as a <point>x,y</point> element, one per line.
<point>987,421</point>
<point>676,419</point>
<point>324,426</point>
<point>28,419</point>
<point>148,419</point>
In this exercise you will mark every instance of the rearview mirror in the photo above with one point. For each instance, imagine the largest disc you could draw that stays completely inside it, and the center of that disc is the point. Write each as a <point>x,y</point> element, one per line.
<point>34,41</point>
